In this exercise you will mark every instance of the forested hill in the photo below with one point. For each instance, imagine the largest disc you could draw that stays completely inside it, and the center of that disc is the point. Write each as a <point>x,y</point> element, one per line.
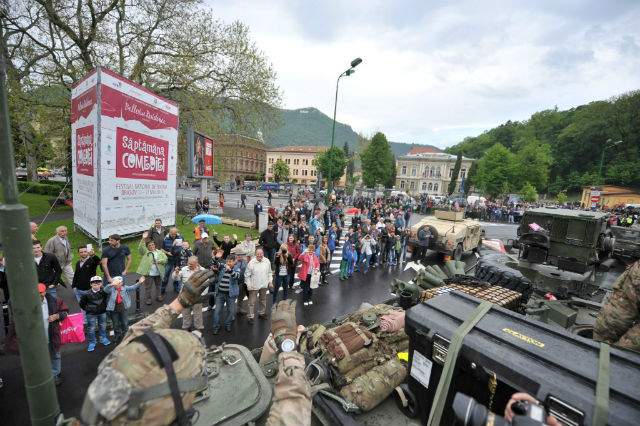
<point>309,126</point>
<point>570,144</point>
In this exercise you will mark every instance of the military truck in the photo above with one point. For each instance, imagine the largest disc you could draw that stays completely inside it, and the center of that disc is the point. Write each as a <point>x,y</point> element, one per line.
<point>447,233</point>
<point>627,246</point>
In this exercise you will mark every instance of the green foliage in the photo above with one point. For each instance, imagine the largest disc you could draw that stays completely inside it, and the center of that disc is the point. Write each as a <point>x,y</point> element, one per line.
<point>378,162</point>
<point>528,193</point>
<point>50,188</point>
<point>496,170</point>
<point>561,150</point>
<point>280,171</point>
<point>331,164</point>
<point>351,164</point>
<point>562,198</point>
<point>471,177</point>
<point>454,174</point>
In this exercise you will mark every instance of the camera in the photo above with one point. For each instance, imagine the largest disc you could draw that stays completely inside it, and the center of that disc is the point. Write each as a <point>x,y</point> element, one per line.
<point>469,412</point>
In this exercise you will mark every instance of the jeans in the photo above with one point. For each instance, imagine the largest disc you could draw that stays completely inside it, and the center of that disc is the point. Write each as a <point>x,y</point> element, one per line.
<point>281,280</point>
<point>56,361</point>
<point>168,269</point>
<point>53,291</point>
<point>270,254</point>
<point>79,293</point>
<point>120,323</point>
<point>292,277</point>
<point>391,256</point>
<point>307,292</point>
<point>366,259</point>
<point>223,299</point>
<point>101,321</point>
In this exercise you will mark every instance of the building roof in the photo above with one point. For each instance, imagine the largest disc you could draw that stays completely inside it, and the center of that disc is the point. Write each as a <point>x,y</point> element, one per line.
<point>432,156</point>
<point>299,149</point>
<point>423,150</point>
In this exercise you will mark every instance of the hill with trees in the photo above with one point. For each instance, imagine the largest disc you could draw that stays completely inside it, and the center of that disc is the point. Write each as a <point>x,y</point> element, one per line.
<point>560,150</point>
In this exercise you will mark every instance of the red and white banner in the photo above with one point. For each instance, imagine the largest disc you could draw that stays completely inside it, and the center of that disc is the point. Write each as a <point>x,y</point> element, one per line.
<point>82,105</point>
<point>116,104</point>
<point>84,150</point>
<point>140,156</point>
<point>208,157</point>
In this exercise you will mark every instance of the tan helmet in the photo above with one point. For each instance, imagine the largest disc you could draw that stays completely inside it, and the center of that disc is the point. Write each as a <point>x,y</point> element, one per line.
<point>134,385</point>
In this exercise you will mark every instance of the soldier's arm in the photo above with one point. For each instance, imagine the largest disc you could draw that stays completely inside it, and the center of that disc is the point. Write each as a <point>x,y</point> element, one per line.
<point>161,318</point>
<point>292,393</point>
<point>621,311</point>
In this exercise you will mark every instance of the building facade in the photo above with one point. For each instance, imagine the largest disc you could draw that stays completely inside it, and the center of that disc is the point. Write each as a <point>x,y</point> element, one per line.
<point>608,196</point>
<point>429,173</point>
<point>238,158</point>
<point>302,171</point>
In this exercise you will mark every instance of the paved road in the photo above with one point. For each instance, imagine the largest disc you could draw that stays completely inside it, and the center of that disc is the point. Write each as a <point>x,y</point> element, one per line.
<point>335,299</point>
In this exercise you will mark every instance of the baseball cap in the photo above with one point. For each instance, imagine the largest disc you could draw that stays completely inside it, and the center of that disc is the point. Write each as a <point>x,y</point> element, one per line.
<point>41,288</point>
<point>204,235</point>
<point>96,278</point>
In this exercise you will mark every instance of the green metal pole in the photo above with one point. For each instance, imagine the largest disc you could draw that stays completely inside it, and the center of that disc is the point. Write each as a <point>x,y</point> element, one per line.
<point>333,135</point>
<point>22,278</point>
<point>601,164</point>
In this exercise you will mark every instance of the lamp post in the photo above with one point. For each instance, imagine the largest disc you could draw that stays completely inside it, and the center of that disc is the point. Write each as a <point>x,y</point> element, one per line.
<point>607,144</point>
<point>347,73</point>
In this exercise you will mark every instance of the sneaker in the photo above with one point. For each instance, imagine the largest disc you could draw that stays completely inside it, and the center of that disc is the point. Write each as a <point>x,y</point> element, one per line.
<point>306,303</point>
<point>105,341</point>
<point>227,328</point>
<point>216,331</point>
<point>91,347</point>
<point>148,302</point>
<point>310,302</point>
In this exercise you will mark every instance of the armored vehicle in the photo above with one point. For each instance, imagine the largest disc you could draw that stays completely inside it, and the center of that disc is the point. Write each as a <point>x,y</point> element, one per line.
<point>627,246</point>
<point>447,233</point>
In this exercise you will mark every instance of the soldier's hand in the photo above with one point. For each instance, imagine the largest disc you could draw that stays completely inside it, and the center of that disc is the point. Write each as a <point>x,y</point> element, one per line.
<point>283,320</point>
<point>193,288</point>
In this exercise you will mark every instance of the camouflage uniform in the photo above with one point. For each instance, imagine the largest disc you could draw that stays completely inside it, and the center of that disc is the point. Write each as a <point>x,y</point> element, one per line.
<point>618,322</point>
<point>130,363</point>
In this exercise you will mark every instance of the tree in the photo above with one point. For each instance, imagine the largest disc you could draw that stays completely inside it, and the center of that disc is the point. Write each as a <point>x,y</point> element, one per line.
<point>280,171</point>
<point>471,177</point>
<point>331,163</point>
<point>528,193</point>
<point>496,170</point>
<point>534,160</point>
<point>561,198</point>
<point>378,162</point>
<point>455,173</point>
<point>350,161</point>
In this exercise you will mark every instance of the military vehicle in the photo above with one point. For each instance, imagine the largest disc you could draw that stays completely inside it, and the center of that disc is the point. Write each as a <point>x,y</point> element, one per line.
<point>627,246</point>
<point>447,233</point>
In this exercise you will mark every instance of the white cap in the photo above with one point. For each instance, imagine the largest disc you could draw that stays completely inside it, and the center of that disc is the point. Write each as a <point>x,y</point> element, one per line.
<point>204,235</point>
<point>96,278</point>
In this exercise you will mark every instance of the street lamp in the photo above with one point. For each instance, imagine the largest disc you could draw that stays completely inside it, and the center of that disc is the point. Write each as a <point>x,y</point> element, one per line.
<point>607,144</point>
<point>347,73</point>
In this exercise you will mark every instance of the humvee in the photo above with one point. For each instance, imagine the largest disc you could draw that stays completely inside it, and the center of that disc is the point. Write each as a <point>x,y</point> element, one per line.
<point>447,233</point>
<point>627,246</point>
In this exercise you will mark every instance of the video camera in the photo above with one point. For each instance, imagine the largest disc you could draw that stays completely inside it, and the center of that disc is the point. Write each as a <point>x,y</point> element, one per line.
<point>469,412</point>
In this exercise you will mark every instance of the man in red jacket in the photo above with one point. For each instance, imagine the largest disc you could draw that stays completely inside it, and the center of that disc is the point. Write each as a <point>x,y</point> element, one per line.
<point>54,310</point>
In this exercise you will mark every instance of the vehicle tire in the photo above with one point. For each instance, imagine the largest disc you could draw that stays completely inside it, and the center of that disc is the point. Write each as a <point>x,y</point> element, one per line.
<point>457,253</point>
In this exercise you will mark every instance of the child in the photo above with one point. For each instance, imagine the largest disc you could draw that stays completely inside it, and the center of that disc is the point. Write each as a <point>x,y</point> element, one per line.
<point>226,292</point>
<point>94,303</point>
<point>118,304</point>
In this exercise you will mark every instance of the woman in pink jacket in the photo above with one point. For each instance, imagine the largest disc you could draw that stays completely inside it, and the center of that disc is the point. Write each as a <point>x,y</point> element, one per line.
<point>309,263</point>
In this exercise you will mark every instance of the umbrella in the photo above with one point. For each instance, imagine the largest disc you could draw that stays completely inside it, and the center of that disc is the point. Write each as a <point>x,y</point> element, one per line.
<point>209,219</point>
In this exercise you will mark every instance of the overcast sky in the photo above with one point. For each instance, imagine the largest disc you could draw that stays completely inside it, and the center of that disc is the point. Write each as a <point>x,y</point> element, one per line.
<point>437,71</point>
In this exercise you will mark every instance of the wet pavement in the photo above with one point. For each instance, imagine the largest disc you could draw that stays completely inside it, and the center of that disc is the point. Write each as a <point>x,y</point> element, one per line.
<point>79,367</point>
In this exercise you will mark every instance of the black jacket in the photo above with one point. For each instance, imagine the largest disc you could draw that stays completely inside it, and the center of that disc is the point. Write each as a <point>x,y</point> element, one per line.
<point>225,246</point>
<point>94,303</point>
<point>268,239</point>
<point>49,270</point>
<point>84,273</point>
<point>4,285</point>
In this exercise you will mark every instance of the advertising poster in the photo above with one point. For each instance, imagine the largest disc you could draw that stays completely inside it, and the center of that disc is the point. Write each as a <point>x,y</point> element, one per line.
<point>84,124</point>
<point>134,156</point>
<point>202,156</point>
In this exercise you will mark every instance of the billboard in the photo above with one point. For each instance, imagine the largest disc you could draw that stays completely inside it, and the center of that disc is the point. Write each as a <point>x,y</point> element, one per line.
<point>200,151</point>
<point>124,153</point>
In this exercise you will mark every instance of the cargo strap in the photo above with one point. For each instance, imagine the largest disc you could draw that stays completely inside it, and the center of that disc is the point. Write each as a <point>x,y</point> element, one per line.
<point>442,390</point>
<point>601,408</point>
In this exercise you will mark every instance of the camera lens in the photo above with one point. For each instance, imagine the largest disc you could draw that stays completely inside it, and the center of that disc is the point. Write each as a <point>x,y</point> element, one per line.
<point>469,413</point>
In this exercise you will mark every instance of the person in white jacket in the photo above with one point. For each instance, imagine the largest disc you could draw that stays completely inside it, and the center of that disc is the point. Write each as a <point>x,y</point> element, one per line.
<point>366,249</point>
<point>257,277</point>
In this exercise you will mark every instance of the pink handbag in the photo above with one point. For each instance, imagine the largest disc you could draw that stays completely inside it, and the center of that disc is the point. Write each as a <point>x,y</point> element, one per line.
<point>72,329</point>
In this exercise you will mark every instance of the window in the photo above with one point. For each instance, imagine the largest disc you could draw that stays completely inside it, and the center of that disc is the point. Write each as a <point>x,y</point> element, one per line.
<point>314,173</point>
<point>412,185</point>
<point>450,173</point>
<point>404,170</point>
<point>431,171</point>
<point>462,173</point>
<point>270,169</point>
<point>270,160</point>
<point>430,186</point>
<point>424,186</point>
<point>288,161</point>
<point>402,184</point>
<point>305,161</point>
<point>295,172</point>
<point>435,187</point>
<point>296,161</point>
<point>305,172</point>
<point>413,171</point>
<point>438,174</point>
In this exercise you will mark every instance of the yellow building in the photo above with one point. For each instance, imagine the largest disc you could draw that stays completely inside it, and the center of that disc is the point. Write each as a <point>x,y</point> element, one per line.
<point>608,196</point>
<point>300,162</point>
<point>429,172</point>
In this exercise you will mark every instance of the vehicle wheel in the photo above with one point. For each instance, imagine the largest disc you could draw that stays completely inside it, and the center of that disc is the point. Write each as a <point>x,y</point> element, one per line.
<point>457,254</point>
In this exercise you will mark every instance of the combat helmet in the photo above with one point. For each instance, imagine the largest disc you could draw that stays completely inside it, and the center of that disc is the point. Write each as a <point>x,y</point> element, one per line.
<point>149,380</point>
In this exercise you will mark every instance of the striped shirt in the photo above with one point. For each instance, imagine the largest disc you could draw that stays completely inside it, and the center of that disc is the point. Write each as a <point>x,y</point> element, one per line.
<point>224,281</point>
